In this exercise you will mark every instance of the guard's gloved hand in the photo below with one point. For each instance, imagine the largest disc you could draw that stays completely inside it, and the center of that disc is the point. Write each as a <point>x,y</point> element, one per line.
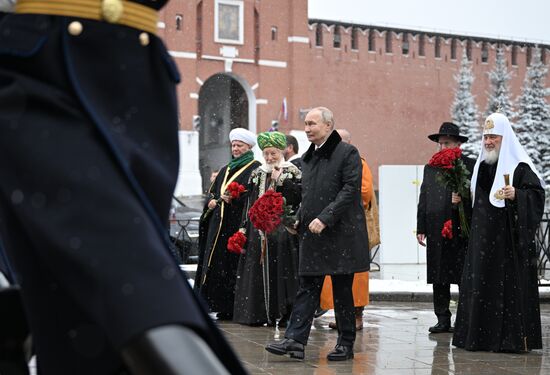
<point>171,350</point>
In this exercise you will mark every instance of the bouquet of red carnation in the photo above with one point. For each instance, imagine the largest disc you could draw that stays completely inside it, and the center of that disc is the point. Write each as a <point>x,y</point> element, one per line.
<point>445,158</point>
<point>447,231</point>
<point>236,242</point>
<point>234,190</point>
<point>454,175</point>
<point>265,214</point>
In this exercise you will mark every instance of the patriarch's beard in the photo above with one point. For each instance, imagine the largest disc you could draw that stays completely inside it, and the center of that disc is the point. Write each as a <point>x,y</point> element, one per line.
<point>491,157</point>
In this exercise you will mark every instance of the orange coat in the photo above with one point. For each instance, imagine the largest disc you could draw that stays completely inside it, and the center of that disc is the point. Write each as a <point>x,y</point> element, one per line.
<point>367,189</point>
<point>360,280</point>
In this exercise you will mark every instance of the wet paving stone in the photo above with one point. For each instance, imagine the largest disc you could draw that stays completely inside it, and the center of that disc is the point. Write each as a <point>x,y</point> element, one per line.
<point>394,340</point>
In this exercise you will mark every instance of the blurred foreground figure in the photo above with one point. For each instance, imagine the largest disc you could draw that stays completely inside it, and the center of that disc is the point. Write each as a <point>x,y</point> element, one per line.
<point>498,308</point>
<point>89,160</point>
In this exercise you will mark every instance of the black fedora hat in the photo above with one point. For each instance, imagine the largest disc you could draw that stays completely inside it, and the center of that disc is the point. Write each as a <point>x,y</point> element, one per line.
<point>449,129</point>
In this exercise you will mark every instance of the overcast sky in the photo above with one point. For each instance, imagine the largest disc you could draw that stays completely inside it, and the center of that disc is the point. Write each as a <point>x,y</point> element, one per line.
<point>522,20</point>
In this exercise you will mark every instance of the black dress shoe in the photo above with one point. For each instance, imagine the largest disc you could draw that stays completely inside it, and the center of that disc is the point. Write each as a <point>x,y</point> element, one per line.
<point>340,353</point>
<point>287,346</point>
<point>440,328</point>
<point>224,316</point>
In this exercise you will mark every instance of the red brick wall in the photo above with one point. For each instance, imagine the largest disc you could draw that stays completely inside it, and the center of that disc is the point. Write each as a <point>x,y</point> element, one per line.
<point>389,102</point>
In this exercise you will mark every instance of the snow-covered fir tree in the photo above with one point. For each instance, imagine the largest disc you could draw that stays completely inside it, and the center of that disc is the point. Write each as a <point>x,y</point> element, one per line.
<point>499,97</point>
<point>533,125</point>
<point>464,110</point>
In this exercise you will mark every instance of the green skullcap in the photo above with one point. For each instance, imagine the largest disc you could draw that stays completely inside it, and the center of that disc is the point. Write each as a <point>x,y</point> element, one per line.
<point>272,139</point>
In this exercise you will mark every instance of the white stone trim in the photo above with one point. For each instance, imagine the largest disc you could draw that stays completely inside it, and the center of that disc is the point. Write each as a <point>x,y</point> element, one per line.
<point>273,63</point>
<point>193,95</point>
<point>183,54</point>
<point>199,81</point>
<point>255,86</point>
<point>219,58</point>
<point>238,3</point>
<point>261,101</point>
<point>161,25</point>
<point>298,39</point>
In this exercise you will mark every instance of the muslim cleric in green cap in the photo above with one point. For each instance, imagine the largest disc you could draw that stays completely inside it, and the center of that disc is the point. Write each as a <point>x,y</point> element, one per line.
<point>267,274</point>
<point>272,139</point>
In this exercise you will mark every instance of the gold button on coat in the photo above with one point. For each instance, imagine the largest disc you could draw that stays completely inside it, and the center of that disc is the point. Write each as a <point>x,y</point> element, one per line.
<point>111,10</point>
<point>75,28</point>
<point>144,39</point>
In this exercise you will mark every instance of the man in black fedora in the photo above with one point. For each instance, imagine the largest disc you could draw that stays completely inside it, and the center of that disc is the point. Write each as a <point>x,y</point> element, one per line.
<point>436,205</point>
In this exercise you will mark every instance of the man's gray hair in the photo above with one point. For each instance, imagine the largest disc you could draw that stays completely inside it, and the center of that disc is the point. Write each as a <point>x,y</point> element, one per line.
<point>326,116</point>
<point>345,135</point>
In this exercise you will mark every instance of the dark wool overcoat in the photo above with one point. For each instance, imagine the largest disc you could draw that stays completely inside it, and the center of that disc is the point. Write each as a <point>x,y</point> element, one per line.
<point>331,192</point>
<point>444,257</point>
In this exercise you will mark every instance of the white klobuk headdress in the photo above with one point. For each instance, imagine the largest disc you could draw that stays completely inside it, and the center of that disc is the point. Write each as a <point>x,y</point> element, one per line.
<point>511,154</point>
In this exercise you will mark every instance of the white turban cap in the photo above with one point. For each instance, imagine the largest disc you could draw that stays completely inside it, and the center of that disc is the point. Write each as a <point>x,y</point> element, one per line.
<point>243,135</point>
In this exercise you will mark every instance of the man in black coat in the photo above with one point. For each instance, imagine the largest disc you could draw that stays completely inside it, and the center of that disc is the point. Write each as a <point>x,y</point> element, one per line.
<point>291,151</point>
<point>88,163</point>
<point>436,205</point>
<point>333,236</point>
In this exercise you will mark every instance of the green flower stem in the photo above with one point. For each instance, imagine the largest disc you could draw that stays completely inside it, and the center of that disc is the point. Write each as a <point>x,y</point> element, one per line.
<point>465,232</point>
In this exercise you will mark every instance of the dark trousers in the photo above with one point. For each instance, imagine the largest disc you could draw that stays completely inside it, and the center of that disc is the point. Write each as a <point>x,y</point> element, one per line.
<point>307,300</point>
<point>442,298</point>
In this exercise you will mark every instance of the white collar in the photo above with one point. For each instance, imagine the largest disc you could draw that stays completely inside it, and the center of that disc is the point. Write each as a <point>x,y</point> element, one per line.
<point>318,147</point>
<point>293,157</point>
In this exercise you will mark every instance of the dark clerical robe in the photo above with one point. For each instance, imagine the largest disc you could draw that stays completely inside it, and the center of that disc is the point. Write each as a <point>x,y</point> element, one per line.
<point>498,307</point>
<point>217,268</point>
<point>267,279</point>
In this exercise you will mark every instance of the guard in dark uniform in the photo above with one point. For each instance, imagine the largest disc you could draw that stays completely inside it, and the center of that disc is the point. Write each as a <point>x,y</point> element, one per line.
<point>88,163</point>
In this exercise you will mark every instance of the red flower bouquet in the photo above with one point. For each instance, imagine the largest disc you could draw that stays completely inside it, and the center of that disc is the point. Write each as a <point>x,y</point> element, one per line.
<point>447,231</point>
<point>234,190</point>
<point>445,158</point>
<point>236,242</point>
<point>265,214</point>
<point>454,175</point>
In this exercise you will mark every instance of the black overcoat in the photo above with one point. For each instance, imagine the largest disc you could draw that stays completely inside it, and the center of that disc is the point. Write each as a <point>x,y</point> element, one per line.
<point>331,192</point>
<point>88,163</point>
<point>444,257</point>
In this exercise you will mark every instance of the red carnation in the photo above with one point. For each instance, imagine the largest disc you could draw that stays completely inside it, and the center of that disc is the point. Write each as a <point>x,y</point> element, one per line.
<point>265,214</point>
<point>236,242</point>
<point>235,190</point>
<point>445,158</point>
<point>447,231</point>
<point>453,175</point>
